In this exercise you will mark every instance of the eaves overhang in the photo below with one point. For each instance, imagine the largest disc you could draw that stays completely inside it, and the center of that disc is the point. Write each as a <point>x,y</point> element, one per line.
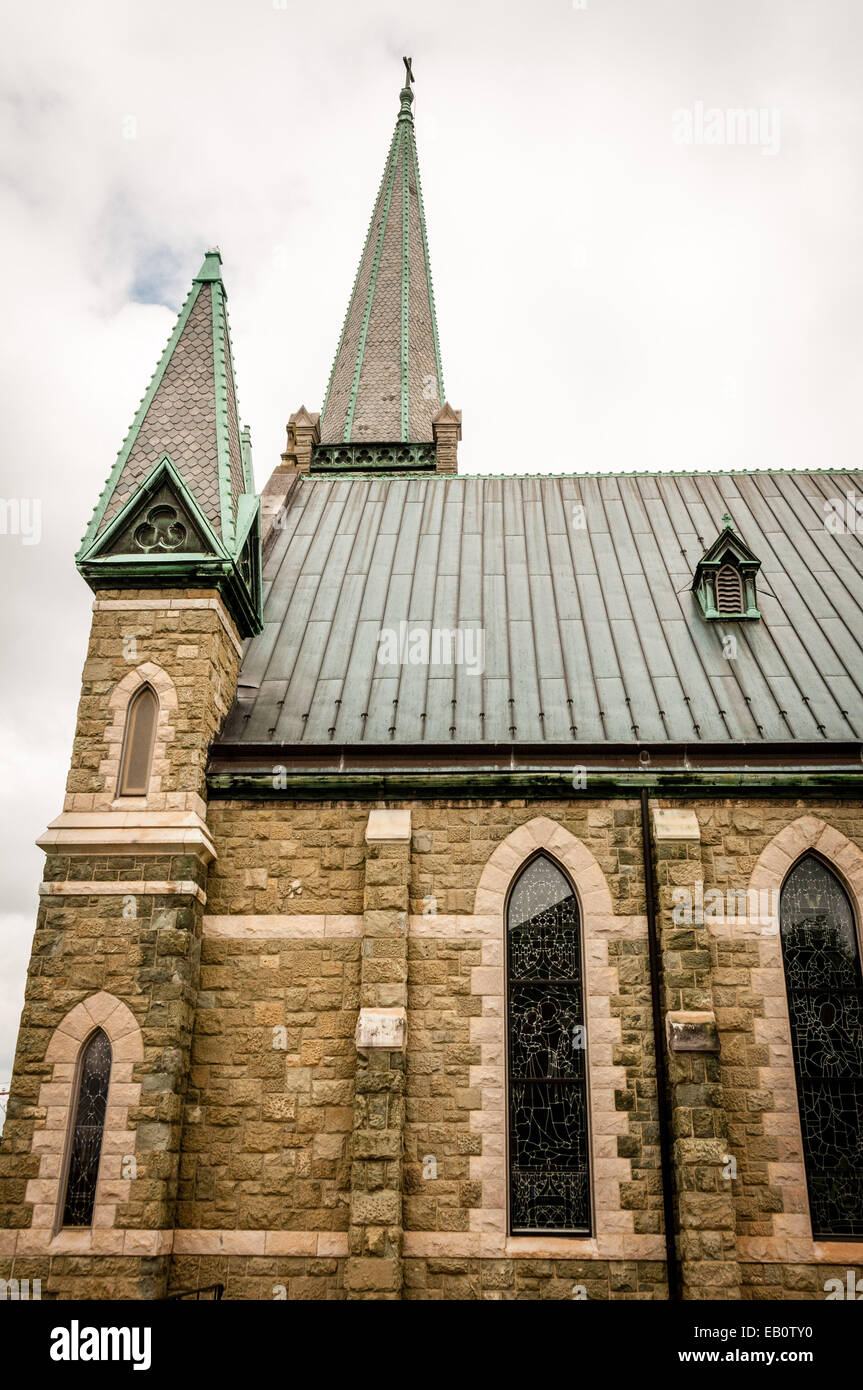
<point>272,771</point>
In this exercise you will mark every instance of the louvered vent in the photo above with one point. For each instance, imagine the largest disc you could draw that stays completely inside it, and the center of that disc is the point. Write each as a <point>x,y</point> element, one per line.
<point>729,590</point>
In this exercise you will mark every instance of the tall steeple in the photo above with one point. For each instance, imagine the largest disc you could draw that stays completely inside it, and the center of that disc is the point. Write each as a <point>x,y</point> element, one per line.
<point>386,384</point>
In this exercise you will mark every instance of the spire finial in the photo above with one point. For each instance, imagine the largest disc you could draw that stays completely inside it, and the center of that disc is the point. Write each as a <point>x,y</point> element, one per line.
<point>406,94</point>
<point>211,269</point>
<point>727,522</point>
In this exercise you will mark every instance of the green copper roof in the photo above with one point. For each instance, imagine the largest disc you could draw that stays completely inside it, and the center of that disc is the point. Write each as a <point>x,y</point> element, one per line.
<point>189,412</point>
<point>386,384</point>
<point>179,505</point>
<point>563,615</point>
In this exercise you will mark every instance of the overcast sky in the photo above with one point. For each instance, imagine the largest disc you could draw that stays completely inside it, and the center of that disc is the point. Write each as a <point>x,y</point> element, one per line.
<point>612,291</point>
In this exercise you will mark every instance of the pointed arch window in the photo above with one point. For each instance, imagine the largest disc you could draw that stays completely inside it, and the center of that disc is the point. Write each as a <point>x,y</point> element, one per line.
<point>139,742</point>
<point>85,1147</point>
<point>821,956</point>
<point>549,1177</point>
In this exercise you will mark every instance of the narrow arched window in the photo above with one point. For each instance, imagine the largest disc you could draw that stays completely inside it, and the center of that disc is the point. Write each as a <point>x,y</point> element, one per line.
<point>549,1178</point>
<point>821,955</point>
<point>138,743</point>
<point>85,1145</point>
<point>729,590</point>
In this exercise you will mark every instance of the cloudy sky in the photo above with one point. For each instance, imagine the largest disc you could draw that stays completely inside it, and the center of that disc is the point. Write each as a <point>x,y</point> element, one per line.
<point>621,282</point>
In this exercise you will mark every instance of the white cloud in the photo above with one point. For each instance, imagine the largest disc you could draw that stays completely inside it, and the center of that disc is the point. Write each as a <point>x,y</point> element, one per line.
<point>16,931</point>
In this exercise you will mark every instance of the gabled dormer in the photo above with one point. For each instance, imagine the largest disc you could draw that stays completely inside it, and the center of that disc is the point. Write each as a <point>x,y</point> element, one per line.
<point>724,580</point>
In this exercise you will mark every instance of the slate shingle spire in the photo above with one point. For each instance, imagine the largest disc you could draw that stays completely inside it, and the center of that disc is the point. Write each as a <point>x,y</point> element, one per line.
<point>179,504</point>
<point>386,383</point>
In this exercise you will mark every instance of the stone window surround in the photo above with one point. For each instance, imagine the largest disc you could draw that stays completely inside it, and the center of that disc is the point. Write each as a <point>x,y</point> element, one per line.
<point>58,1098</point>
<point>148,673</point>
<point>792,1241</point>
<point>613,1227</point>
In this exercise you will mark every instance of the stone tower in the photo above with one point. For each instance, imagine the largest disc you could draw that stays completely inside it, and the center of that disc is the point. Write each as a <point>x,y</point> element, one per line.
<point>172,554</point>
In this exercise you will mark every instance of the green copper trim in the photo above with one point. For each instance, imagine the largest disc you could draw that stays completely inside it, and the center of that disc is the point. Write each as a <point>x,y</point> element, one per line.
<point>146,401</point>
<point>452,478</point>
<point>747,565</point>
<point>320,786</point>
<point>327,458</point>
<point>145,563</point>
<point>406,275</point>
<point>198,572</point>
<point>249,535</point>
<point>427,259</point>
<point>211,270</point>
<point>223,450</point>
<point>245,438</point>
<point>246,446</point>
<point>191,569</point>
<point>164,468</point>
<point>352,403</point>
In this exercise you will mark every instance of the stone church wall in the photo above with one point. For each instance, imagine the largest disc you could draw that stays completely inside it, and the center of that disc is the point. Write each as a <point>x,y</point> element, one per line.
<point>252,1185</point>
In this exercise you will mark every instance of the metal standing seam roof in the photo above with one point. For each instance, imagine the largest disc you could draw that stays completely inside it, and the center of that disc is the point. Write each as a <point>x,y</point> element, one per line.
<point>592,634</point>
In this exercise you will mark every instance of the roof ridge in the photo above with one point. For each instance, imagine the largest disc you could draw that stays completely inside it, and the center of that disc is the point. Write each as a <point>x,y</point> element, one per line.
<point>611,473</point>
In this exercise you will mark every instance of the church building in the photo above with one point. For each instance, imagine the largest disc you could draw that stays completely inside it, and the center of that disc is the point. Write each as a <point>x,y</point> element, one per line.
<point>459,884</point>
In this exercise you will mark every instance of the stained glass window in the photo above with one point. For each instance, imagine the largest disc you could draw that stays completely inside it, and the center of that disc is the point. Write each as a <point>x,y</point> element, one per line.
<point>86,1144</point>
<point>548,1133</point>
<point>138,744</point>
<point>825,1002</point>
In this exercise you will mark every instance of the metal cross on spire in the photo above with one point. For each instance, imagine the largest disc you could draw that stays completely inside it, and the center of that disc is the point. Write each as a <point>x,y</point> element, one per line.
<point>409,76</point>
